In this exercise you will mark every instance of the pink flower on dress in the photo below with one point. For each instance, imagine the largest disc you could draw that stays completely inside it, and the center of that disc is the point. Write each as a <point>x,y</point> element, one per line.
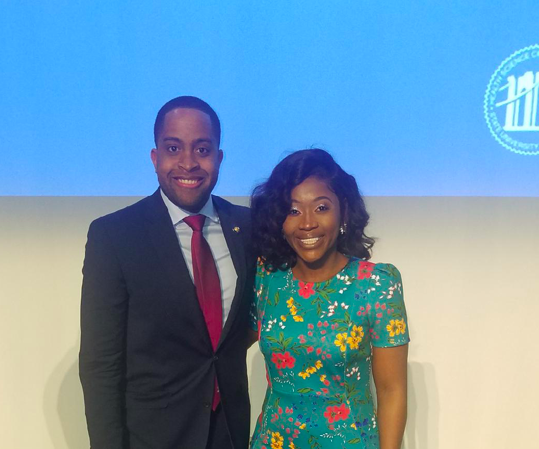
<point>335,413</point>
<point>283,360</point>
<point>306,289</point>
<point>365,270</point>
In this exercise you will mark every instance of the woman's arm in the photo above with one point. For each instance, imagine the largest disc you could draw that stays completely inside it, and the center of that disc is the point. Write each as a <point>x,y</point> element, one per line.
<point>253,337</point>
<point>389,369</point>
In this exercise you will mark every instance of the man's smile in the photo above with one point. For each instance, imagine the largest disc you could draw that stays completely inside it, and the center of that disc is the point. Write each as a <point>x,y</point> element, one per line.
<point>190,183</point>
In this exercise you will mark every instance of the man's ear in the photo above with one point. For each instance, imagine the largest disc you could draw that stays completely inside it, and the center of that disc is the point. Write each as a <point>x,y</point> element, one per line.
<point>153,157</point>
<point>220,156</point>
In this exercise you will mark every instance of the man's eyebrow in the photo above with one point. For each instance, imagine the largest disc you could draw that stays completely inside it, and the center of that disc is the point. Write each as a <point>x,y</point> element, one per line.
<point>171,139</point>
<point>196,142</point>
<point>203,140</point>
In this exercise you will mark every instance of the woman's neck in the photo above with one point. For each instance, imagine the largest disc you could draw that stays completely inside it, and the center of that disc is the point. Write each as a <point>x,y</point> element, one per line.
<point>321,270</point>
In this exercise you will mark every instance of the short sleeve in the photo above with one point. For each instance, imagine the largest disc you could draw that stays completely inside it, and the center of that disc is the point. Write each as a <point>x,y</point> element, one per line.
<point>256,295</point>
<point>386,310</point>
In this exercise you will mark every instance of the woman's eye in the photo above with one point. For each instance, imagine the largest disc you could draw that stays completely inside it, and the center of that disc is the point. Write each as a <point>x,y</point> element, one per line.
<point>293,212</point>
<point>322,207</point>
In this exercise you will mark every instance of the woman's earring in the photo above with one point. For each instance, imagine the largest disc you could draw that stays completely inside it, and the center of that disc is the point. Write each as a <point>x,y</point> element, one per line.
<point>342,229</point>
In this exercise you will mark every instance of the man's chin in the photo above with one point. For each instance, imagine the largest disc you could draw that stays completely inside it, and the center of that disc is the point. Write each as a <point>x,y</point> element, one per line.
<point>189,203</point>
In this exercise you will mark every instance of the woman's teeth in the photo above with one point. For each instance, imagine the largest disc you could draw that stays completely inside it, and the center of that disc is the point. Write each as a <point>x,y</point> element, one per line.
<point>310,241</point>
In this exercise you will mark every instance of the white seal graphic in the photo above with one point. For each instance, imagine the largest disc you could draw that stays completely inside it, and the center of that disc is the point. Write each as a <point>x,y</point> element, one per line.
<point>511,102</point>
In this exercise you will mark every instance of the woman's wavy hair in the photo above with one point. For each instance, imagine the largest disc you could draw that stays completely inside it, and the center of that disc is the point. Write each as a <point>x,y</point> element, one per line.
<point>271,203</point>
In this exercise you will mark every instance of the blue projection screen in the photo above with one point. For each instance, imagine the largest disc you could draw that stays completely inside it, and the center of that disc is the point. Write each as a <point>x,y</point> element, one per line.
<point>413,97</point>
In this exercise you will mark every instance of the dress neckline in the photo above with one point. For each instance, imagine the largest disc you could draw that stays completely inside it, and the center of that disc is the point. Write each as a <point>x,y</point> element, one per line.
<point>290,275</point>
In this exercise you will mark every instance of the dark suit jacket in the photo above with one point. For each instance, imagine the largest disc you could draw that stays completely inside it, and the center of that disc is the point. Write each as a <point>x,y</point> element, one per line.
<point>147,365</point>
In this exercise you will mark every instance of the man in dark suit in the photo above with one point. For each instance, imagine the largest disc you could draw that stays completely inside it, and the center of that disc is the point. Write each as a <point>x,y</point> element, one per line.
<point>164,328</point>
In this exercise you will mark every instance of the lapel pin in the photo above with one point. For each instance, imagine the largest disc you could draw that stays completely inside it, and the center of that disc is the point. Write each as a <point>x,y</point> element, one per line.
<point>236,229</point>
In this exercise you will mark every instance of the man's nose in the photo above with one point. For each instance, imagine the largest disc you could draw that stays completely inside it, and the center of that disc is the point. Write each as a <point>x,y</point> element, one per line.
<point>188,161</point>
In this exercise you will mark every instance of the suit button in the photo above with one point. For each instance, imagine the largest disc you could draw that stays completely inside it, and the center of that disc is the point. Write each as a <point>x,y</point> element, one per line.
<point>215,358</point>
<point>207,404</point>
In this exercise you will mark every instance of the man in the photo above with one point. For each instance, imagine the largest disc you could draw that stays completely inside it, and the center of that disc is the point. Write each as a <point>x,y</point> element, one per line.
<point>165,294</point>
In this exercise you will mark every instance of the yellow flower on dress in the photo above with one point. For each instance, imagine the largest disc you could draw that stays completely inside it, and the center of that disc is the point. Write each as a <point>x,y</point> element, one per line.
<point>356,336</point>
<point>359,331</point>
<point>393,328</point>
<point>401,326</point>
<point>353,426</point>
<point>292,306</point>
<point>283,317</point>
<point>293,310</point>
<point>303,426</point>
<point>276,440</point>
<point>341,341</point>
<point>311,370</point>
<point>291,445</point>
<point>322,378</point>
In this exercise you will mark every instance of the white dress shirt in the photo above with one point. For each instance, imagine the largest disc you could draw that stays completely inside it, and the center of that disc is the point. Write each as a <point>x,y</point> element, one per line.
<point>213,233</point>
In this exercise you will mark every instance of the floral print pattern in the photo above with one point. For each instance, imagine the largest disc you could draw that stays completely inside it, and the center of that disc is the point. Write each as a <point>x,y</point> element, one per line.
<point>317,341</point>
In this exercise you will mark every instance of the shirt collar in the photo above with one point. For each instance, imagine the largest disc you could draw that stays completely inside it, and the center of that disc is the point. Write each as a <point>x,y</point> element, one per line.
<point>177,214</point>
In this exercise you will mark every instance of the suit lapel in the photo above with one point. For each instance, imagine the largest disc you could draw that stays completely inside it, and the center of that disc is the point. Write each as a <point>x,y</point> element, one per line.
<point>232,230</point>
<point>172,262</point>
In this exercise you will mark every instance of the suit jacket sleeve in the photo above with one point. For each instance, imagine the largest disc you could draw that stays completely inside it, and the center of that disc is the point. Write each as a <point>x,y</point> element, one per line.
<point>103,335</point>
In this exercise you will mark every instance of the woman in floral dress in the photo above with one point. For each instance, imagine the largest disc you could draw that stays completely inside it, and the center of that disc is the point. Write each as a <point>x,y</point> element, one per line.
<point>325,317</point>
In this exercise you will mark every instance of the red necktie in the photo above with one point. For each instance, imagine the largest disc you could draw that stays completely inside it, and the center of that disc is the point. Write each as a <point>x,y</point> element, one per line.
<point>208,287</point>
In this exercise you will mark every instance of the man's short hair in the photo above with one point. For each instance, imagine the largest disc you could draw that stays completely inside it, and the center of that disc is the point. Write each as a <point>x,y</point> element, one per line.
<point>186,102</point>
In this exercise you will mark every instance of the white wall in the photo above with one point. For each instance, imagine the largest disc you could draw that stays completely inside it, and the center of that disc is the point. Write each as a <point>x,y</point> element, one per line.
<point>471,273</point>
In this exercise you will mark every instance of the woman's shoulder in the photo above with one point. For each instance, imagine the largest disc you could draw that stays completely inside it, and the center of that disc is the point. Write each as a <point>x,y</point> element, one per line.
<point>365,269</point>
<point>263,271</point>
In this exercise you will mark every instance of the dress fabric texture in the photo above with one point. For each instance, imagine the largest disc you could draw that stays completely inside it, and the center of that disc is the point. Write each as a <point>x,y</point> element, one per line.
<point>316,339</point>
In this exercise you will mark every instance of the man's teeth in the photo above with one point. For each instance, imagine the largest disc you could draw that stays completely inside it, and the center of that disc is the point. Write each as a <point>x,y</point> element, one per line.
<point>310,241</point>
<point>188,181</point>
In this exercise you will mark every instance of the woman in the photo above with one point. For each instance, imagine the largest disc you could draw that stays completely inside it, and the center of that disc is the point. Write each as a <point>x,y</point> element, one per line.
<point>325,316</point>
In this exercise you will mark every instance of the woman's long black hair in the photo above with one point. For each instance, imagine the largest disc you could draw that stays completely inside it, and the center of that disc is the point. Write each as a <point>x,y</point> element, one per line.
<point>271,203</point>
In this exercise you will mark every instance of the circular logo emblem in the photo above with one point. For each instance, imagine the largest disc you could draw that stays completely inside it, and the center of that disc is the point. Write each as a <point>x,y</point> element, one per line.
<point>512,100</point>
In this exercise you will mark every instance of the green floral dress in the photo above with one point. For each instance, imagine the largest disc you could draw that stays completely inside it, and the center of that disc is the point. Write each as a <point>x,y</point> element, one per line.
<point>316,339</point>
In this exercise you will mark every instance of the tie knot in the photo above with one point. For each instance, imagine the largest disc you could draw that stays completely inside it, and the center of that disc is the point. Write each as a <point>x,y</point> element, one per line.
<point>195,222</point>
